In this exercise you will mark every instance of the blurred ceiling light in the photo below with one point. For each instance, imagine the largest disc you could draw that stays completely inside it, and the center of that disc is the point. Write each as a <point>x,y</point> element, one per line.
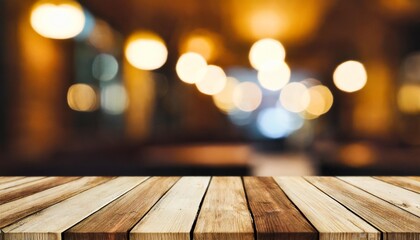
<point>146,51</point>
<point>210,80</point>
<point>188,65</point>
<point>294,97</point>
<point>408,98</point>
<point>277,123</point>
<point>59,19</point>
<point>224,99</point>
<point>104,67</point>
<point>114,99</point>
<point>350,76</point>
<point>265,23</point>
<point>201,42</point>
<point>82,98</point>
<point>266,53</point>
<point>274,78</point>
<point>247,96</point>
<point>321,100</point>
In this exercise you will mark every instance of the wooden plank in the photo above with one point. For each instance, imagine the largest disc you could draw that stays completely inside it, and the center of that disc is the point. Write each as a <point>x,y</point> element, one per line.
<point>8,179</point>
<point>224,214</point>
<point>52,221</point>
<point>417,178</point>
<point>116,219</point>
<point>404,182</point>
<point>395,223</point>
<point>275,216</point>
<point>20,208</point>
<point>7,195</point>
<point>19,182</point>
<point>400,197</point>
<point>330,218</point>
<point>173,216</point>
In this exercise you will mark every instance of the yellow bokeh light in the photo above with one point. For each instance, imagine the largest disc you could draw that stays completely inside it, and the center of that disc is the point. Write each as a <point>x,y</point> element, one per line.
<point>201,42</point>
<point>210,80</point>
<point>408,98</point>
<point>224,99</point>
<point>82,98</point>
<point>294,97</point>
<point>188,65</point>
<point>350,76</point>
<point>247,96</point>
<point>274,78</point>
<point>58,19</point>
<point>321,100</point>
<point>146,51</point>
<point>266,52</point>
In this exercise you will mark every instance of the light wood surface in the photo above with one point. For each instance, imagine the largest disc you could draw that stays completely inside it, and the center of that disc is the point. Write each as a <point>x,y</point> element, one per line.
<point>331,219</point>
<point>400,197</point>
<point>49,223</point>
<point>173,216</point>
<point>404,182</point>
<point>275,216</point>
<point>186,208</point>
<point>116,219</point>
<point>395,223</point>
<point>224,214</point>
<point>15,210</point>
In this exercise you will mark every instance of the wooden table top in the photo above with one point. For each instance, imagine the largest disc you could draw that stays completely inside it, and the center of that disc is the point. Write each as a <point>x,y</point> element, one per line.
<point>325,208</point>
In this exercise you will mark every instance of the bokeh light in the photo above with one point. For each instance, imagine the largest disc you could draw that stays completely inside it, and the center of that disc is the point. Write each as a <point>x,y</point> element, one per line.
<point>201,42</point>
<point>188,65</point>
<point>224,99</point>
<point>266,52</point>
<point>82,98</point>
<point>104,67</point>
<point>408,98</point>
<point>146,51</point>
<point>294,97</point>
<point>350,76</point>
<point>274,78</point>
<point>357,155</point>
<point>277,123</point>
<point>247,96</point>
<point>210,80</point>
<point>57,19</point>
<point>114,99</point>
<point>321,100</point>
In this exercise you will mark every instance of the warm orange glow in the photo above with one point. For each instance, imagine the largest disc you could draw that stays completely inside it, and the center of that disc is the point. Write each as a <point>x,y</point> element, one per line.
<point>146,51</point>
<point>408,98</point>
<point>210,80</point>
<point>58,19</point>
<point>188,65</point>
<point>82,97</point>
<point>266,53</point>
<point>350,76</point>
<point>274,78</point>
<point>224,99</point>
<point>357,155</point>
<point>201,42</point>
<point>321,100</point>
<point>247,96</point>
<point>294,97</point>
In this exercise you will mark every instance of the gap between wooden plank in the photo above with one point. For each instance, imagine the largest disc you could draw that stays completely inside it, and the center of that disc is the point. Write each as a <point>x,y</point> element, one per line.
<point>51,222</point>
<point>330,218</point>
<point>18,182</point>
<point>199,210</point>
<point>397,196</point>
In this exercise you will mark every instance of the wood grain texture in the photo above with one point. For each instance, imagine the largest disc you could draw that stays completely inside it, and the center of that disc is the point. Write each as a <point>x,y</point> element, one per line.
<point>116,219</point>
<point>275,217</point>
<point>224,214</point>
<point>331,219</point>
<point>8,179</point>
<point>395,223</point>
<point>400,197</point>
<point>19,182</point>
<point>173,216</point>
<point>9,194</point>
<point>404,182</point>
<point>49,223</point>
<point>20,208</point>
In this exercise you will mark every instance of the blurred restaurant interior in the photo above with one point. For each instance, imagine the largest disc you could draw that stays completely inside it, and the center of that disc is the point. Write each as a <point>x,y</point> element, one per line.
<point>210,87</point>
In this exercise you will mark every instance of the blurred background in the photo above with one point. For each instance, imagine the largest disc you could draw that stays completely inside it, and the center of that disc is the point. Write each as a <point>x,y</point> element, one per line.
<point>188,87</point>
